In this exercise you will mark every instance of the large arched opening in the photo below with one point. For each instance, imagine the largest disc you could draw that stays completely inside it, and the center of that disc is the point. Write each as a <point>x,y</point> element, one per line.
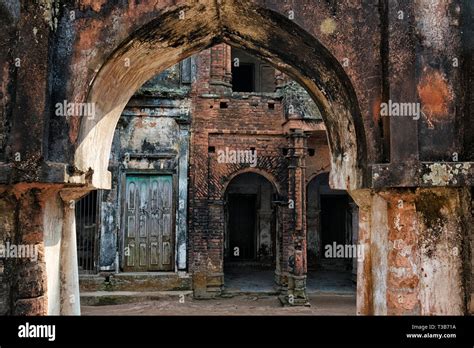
<point>169,39</point>
<point>172,37</point>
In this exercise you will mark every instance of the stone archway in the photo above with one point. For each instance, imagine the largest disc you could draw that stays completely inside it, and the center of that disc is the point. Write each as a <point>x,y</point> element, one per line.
<point>408,202</point>
<point>173,36</point>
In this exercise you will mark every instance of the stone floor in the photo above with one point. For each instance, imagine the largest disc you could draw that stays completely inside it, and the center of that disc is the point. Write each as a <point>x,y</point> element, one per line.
<point>253,279</point>
<point>237,305</point>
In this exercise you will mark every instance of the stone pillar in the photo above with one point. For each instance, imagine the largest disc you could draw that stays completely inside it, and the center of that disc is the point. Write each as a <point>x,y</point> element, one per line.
<point>70,297</point>
<point>414,260</point>
<point>363,199</point>
<point>427,231</point>
<point>297,195</point>
<point>53,228</point>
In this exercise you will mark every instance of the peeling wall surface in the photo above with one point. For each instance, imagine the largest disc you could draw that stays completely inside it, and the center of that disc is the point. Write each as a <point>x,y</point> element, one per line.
<point>151,138</point>
<point>93,93</point>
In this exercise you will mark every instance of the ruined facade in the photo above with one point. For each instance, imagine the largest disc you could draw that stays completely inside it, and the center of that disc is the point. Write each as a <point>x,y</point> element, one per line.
<point>391,80</point>
<point>208,136</point>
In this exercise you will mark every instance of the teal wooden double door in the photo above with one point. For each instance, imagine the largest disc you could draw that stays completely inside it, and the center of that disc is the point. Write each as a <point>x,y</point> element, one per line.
<point>149,237</point>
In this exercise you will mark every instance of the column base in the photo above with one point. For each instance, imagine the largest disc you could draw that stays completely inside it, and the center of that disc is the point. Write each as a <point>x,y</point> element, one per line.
<point>296,294</point>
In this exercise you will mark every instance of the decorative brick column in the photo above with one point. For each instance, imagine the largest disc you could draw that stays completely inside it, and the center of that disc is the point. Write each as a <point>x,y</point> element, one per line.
<point>221,73</point>
<point>297,267</point>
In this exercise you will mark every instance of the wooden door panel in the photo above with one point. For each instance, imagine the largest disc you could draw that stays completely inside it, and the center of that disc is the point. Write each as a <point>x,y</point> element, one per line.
<point>149,237</point>
<point>154,254</point>
<point>154,226</point>
<point>167,253</point>
<point>143,256</point>
<point>130,255</point>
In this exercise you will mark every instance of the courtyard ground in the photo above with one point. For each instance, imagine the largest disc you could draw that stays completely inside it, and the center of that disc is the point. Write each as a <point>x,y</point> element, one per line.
<point>321,304</point>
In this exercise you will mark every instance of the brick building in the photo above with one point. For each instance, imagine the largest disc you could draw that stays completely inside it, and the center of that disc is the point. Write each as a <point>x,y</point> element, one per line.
<point>220,148</point>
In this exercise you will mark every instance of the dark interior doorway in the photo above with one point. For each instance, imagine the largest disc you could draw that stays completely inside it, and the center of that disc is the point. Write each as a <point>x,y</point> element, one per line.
<point>250,234</point>
<point>333,220</point>
<point>330,226</point>
<point>242,226</point>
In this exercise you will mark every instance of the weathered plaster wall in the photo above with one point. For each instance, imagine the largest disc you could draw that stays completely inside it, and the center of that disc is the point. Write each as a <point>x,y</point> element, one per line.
<point>443,251</point>
<point>153,124</point>
<point>414,261</point>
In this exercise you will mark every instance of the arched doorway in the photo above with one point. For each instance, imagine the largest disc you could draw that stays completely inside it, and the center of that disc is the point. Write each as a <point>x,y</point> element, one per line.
<point>250,237</point>
<point>333,250</point>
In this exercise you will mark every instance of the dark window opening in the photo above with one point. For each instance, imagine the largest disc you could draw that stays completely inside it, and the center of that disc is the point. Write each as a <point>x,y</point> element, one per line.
<point>224,105</point>
<point>211,149</point>
<point>311,152</point>
<point>243,78</point>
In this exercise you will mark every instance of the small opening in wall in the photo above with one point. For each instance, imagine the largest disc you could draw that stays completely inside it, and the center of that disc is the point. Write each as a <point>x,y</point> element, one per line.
<point>211,149</point>
<point>311,152</point>
<point>271,106</point>
<point>211,106</point>
<point>252,149</point>
<point>284,151</point>
<point>224,105</point>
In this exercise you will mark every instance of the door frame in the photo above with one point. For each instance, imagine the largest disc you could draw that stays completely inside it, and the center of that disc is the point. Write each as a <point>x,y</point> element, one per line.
<point>122,197</point>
